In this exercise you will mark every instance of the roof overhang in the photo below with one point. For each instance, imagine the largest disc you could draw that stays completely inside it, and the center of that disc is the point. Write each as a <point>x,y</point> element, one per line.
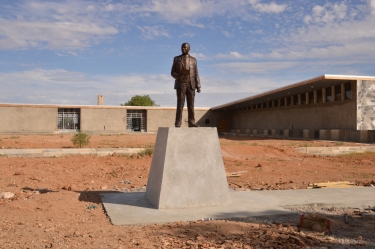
<point>290,90</point>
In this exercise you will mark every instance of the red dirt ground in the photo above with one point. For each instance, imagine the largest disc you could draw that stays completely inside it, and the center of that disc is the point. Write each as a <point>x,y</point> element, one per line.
<point>60,216</point>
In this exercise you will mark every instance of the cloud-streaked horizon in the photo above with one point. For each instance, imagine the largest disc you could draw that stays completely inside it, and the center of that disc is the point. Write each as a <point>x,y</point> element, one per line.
<point>70,51</point>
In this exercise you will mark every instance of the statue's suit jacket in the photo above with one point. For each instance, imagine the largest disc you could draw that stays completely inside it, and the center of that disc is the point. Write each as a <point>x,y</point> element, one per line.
<point>194,76</point>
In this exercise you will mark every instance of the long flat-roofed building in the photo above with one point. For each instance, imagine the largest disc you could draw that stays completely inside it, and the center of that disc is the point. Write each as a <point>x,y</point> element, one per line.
<point>333,107</point>
<point>330,107</point>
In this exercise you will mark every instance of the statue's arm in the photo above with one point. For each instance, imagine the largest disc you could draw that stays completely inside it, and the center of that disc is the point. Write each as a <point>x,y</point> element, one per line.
<point>174,73</point>
<point>197,79</point>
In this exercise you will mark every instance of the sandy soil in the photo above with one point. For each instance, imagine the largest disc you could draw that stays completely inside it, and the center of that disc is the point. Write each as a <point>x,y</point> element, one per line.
<point>56,203</point>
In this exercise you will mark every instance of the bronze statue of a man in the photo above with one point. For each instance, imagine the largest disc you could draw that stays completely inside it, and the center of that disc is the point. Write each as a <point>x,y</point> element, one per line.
<point>185,72</point>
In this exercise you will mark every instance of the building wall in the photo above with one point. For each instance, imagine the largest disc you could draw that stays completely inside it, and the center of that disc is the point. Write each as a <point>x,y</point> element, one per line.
<point>165,117</point>
<point>366,105</point>
<point>336,115</point>
<point>103,120</point>
<point>28,119</point>
<point>18,118</point>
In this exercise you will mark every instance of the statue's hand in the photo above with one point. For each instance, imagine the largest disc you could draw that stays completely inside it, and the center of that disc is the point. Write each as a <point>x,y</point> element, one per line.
<point>198,90</point>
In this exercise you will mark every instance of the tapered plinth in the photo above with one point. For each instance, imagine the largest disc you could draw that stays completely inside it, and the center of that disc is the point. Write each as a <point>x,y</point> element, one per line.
<point>187,169</point>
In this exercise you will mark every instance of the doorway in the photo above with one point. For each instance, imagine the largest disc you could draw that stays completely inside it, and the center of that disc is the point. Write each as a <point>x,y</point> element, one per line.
<point>136,120</point>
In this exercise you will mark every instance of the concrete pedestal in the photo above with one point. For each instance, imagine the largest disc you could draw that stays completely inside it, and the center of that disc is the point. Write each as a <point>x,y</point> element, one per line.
<point>187,169</point>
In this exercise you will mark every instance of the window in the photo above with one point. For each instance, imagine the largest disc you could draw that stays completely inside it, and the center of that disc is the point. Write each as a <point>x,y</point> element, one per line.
<point>282,102</point>
<point>311,97</point>
<point>136,120</point>
<point>303,99</point>
<point>319,95</point>
<point>328,94</point>
<point>348,91</point>
<point>338,93</point>
<point>68,119</point>
<point>288,101</point>
<point>295,100</point>
<point>276,103</point>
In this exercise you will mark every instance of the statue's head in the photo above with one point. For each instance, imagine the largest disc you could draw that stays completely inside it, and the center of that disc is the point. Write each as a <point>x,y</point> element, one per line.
<point>185,48</point>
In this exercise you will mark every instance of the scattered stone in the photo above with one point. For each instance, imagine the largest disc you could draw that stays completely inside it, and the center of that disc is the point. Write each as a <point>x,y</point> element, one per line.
<point>317,228</point>
<point>6,195</point>
<point>126,181</point>
<point>18,173</point>
<point>12,185</point>
<point>104,187</point>
<point>368,216</point>
<point>190,243</point>
<point>71,187</point>
<point>42,190</point>
<point>346,218</point>
<point>92,206</point>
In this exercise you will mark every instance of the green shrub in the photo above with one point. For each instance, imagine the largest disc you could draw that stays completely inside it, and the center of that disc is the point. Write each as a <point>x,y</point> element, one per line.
<point>147,151</point>
<point>80,139</point>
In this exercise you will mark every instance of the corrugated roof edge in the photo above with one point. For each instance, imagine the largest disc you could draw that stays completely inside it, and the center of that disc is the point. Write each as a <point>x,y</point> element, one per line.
<point>321,77</point>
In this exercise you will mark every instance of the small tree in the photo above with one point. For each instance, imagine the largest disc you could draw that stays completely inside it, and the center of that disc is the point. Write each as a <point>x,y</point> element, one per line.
<point>80,139</point>
<point>139,100</point>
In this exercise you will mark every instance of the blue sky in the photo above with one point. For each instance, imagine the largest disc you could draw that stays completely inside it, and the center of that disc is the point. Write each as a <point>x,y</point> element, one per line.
<point>69,51</point>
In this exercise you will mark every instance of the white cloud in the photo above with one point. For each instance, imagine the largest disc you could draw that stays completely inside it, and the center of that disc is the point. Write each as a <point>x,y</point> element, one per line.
<point>110,7</point>
<point>327,13</point>
<point>363,51</point>
<point>60,86</point>
<point>188,34</point>
<point>63,35</point>
<point>255,67</point>
<point>189,12</point>
<point>53,25</point>
<point>227,34</point>
<point>372,6</point>
<point>150,32</point>
<point>200,56</point>
<point>231,55</point>
<point>180,10</point>
<point>90,8</point>
<point>66,54</point>
<point>193,23</point>
<point>334,33</point>
<point>268,8</point>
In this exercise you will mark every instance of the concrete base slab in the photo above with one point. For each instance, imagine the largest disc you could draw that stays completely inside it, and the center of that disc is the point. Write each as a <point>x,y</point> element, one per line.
<point>335,151</point>
<point>133,208</point>
<point>67,152</point>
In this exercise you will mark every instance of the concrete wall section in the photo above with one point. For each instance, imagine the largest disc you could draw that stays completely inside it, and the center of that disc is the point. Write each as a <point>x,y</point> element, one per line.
<point>103,120</point>
<point>337,115</point>
<point>161,118</point>
<point>165,117</point>
<point>26,119</point>
<point>366,105</point>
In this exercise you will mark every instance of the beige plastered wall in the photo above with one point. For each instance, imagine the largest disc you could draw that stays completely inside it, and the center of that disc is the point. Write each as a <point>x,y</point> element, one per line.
<point>336,115</point>
<point>103,120</point>
<point>18,118</point>
<point>165,117</point>
<point>28,119</point>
